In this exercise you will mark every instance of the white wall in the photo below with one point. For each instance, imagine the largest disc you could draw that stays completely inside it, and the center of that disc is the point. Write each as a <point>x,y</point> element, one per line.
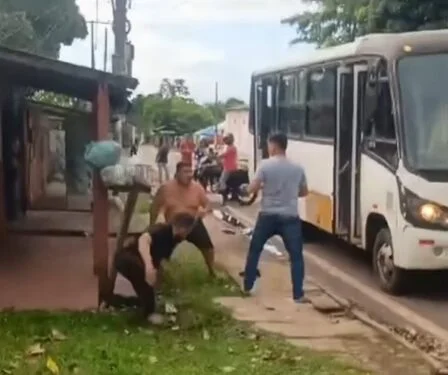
<point>237,123</point>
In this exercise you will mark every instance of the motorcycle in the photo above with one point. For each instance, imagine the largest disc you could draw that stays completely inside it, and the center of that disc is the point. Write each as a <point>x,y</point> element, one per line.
<point>208,173</point>
<point>233,188</point>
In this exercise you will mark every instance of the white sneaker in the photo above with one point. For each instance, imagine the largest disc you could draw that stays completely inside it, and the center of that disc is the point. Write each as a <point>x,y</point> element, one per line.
<point>252,291</point>
<point>302,301</point>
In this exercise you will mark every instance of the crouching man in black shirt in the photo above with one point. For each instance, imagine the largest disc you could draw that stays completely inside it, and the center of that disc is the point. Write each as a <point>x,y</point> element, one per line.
<point>140,261</point>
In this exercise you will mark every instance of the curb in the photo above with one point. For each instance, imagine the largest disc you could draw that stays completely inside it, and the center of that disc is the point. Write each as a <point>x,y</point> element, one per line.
<point>437,367</point>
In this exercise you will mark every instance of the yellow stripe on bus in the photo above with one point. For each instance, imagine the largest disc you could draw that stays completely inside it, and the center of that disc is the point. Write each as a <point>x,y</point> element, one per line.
<point>319,210</point>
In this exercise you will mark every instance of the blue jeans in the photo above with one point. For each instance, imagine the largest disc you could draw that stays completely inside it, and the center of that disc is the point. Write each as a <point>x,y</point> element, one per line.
<point>290,230</point>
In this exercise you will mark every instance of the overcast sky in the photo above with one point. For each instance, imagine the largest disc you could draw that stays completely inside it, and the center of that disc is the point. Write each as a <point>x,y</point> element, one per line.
<point>202,41</point>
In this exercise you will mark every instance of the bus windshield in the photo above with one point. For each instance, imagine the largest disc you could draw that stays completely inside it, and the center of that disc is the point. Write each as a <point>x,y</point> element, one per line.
<point>423,82</point>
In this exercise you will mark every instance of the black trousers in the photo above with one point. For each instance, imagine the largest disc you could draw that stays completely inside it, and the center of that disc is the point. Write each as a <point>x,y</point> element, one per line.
<point>130,265</point>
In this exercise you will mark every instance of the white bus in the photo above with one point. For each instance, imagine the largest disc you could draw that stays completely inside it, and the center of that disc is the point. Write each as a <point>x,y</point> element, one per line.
<point>369,123</point>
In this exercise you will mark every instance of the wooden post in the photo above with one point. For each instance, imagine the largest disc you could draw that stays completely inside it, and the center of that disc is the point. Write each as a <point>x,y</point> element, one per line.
<point>124,228</point>
<point>3,219</point>
<point>100,198</point>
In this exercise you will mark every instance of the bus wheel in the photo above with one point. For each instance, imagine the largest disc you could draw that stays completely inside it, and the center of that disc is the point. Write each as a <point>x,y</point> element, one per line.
<point>393,279</point>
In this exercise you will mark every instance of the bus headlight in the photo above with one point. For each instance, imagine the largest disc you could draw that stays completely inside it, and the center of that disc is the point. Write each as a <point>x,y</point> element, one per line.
<point>430,212</point>
<point>424,213</point>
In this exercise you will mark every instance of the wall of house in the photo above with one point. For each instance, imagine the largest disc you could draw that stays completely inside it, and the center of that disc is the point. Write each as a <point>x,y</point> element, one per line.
<point>237,123</point>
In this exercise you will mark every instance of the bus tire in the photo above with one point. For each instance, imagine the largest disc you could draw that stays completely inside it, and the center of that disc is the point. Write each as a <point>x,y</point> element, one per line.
<point>392,279</point>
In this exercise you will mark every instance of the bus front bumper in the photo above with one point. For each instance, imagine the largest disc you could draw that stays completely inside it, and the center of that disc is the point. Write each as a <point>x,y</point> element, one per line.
<point>421,249</point>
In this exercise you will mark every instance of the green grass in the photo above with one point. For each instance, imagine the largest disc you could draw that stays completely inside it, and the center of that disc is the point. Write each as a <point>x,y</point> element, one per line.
<point>202,340</point>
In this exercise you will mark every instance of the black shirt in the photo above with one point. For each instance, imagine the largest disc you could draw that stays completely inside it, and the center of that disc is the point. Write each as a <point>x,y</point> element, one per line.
<point>163,243</point>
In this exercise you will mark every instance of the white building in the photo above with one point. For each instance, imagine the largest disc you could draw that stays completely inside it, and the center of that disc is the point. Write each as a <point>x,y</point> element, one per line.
<point>237,123</point>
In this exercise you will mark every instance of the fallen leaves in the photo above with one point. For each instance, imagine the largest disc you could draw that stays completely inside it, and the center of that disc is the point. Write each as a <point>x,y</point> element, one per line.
<point>153,360</point>
<point>170,309</point>
<point>35,350</point>
<point>52,366</point>
<point>57,335</point>
<point>205,335</point>
<point>228,369</point>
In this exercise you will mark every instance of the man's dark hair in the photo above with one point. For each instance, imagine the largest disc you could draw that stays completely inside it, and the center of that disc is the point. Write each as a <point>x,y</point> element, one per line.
<point>181,165</point>
<point>280,140</point>
<point>183,220</point>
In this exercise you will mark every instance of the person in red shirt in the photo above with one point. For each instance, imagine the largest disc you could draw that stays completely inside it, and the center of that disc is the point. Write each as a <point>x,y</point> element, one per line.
<point>187,150</point>
<point>229,160</point>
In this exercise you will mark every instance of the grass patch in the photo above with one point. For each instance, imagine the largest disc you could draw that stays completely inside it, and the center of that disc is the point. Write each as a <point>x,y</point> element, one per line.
<point>202,340</point>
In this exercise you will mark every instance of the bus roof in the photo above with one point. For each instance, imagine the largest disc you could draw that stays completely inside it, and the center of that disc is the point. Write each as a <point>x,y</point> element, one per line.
<point>389,46</point>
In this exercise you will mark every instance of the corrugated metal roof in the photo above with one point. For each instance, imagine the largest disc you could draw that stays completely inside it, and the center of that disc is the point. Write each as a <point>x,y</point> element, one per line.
<point>28,70</point>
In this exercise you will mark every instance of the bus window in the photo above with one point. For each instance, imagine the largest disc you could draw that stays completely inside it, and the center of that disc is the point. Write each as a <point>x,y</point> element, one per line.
<point>321,103</point>
<point>380,130</point>
<point>291,104</point>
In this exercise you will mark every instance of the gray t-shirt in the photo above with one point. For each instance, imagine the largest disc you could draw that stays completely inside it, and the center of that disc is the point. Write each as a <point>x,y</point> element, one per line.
<point>281,181</point>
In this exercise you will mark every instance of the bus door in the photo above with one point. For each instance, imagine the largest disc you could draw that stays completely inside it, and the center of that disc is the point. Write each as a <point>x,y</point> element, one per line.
<point>343,152</point>
<point>359,90</point>
<point>264,116</point>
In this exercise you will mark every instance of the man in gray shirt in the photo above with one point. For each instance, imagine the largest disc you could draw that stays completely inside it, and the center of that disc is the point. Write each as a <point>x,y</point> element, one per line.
<point>282,182</point>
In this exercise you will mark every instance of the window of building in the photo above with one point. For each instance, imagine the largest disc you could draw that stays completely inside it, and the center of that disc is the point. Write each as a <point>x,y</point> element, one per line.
<point>291,103</point>
<point>321,103</point>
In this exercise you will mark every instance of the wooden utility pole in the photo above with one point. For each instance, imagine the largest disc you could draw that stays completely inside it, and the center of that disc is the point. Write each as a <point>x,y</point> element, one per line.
<point>92,41</point>
<point>106,49</point>
<point>216,106</point>
<point>121,61</point>
<point>120,32</point>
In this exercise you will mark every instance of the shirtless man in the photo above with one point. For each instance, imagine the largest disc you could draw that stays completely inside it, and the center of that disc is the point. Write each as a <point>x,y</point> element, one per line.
<point>183,195</point>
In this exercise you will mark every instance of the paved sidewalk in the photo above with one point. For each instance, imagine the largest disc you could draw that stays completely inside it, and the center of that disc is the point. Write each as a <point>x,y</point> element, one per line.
<point>333,330</point>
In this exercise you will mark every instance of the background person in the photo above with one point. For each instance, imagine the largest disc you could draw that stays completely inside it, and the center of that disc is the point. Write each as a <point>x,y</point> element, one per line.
<point>229,160</point>
<point>282,182</point>
<point>187,148</point>
<point>162,160</point>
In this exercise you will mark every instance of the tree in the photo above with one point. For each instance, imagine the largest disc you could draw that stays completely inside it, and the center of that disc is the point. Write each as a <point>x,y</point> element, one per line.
<point>176,88</point>
<point>234,102</point>
<point>219,109</point>
<point>52,98</point>
<point>331,22</point>
<point>172,109</point>
<point>40,26</point>
<point>188,116</point>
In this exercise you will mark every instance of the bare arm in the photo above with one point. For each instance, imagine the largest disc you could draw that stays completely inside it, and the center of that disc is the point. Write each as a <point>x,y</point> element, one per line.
<point>257,182</point>
<point>144,248</point>
<point>204,202</point>
<point>156,205</point>
<point>254,186</point>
